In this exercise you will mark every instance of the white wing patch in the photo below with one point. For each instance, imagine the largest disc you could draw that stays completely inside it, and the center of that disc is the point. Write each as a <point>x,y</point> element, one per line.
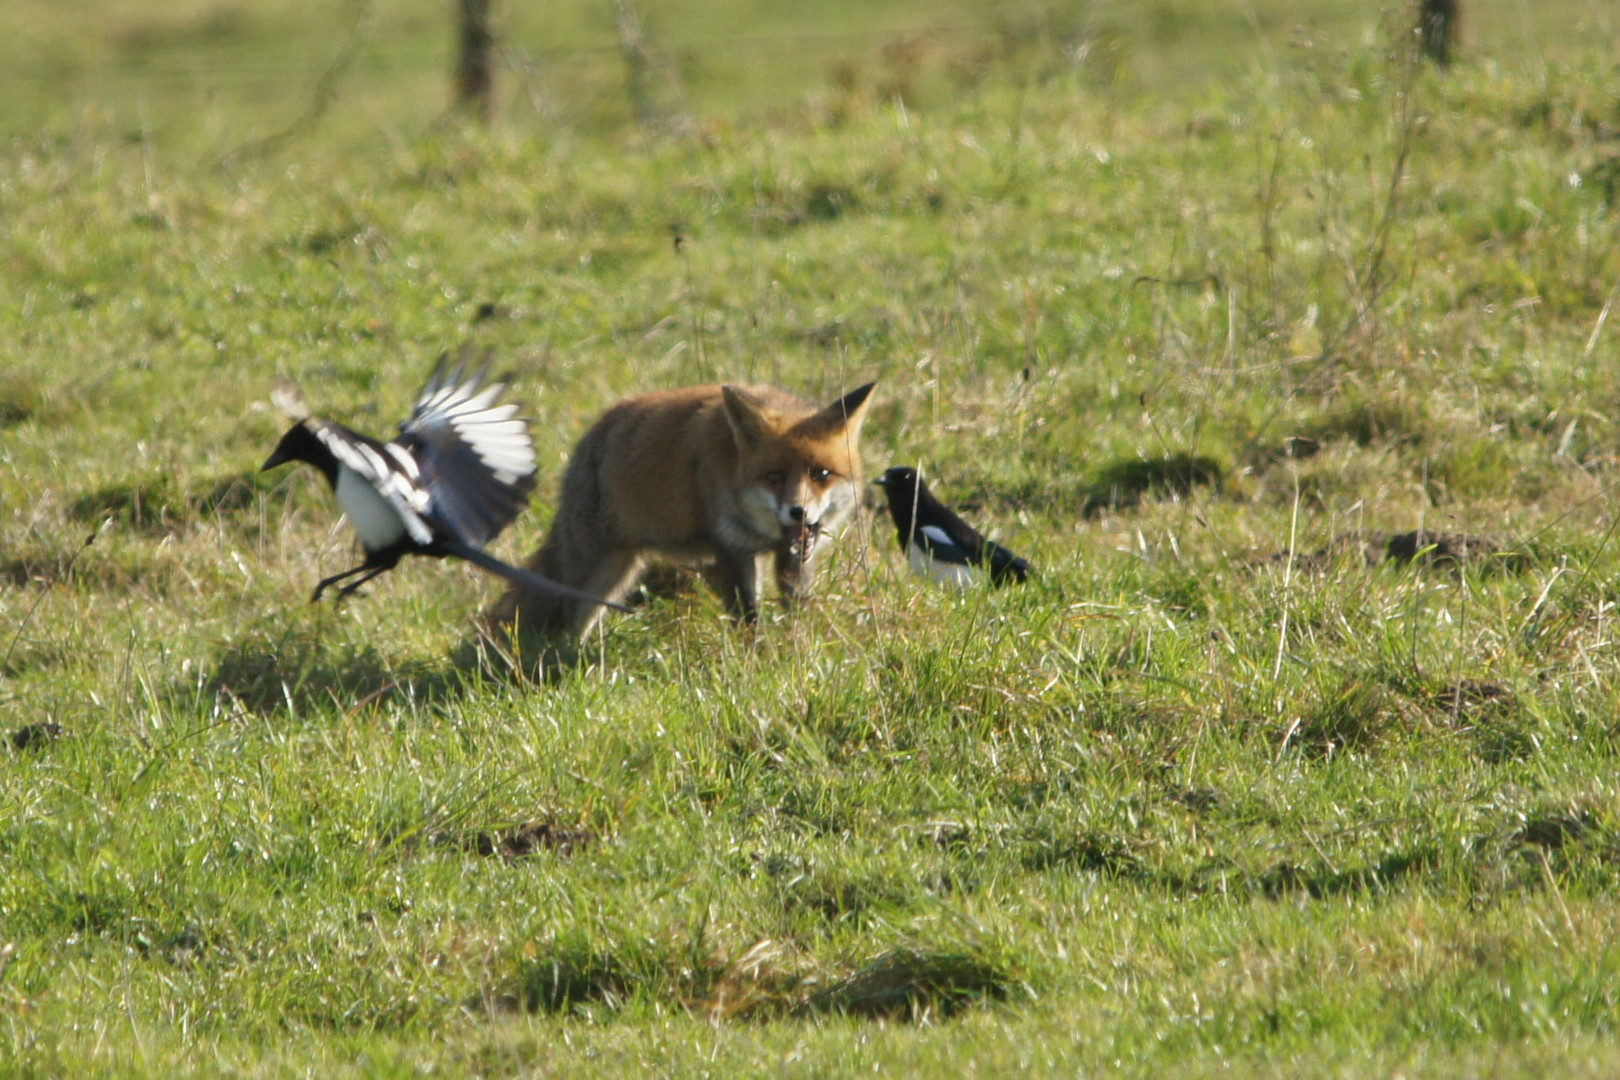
<point>938,536</point>
<point>469,408</point>
<point>403,459</point>
<point>956,575</point>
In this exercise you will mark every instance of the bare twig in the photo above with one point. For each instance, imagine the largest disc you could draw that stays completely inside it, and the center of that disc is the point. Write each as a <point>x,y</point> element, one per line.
<point>637,63</point>
<point>1369,281</point>
<point>641,66</point>
<point>61,573</point>
<point>326,92</point>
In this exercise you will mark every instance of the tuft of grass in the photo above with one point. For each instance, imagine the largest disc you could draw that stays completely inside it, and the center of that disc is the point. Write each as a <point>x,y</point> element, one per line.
<point>1394,416</point>
<point>1350,717</point>
<point>1552,830</point>
<point>566,977</point>
<point>1320,882</point>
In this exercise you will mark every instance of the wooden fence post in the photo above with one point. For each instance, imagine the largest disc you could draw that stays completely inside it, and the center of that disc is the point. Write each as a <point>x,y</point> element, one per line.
<point>1439,24</point>
<point>475,72</point>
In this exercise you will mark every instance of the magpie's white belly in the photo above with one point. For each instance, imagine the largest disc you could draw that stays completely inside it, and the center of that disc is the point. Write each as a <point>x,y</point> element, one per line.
<point>373,517</point>
<point>942,573</point>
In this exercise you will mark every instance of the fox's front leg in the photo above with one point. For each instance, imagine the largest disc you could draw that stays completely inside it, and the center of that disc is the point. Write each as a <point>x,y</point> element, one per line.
<point>794,576</point>
<point>736,578</point>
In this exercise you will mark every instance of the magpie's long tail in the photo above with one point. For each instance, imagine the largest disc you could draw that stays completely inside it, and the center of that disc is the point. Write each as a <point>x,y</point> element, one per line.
<point>1004,565</point>
<point>524,578</point>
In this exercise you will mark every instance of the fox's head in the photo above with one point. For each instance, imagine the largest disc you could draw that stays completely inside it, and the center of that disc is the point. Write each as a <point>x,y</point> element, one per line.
<point>798,473</point>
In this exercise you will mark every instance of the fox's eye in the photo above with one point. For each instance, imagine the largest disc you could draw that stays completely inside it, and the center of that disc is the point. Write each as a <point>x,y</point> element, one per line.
<point>775,476</point>
<point>820,475</point>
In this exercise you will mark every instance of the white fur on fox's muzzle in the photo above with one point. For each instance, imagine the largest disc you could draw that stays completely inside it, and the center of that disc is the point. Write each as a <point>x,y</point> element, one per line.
<point>772,519</point>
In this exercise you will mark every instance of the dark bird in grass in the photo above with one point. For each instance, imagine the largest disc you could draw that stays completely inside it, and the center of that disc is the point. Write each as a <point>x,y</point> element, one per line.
<point>459,471</point>
<point>36,736</point>
<point>939,545</point>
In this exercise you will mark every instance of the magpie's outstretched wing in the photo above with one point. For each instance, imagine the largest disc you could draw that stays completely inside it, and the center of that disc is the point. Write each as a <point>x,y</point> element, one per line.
<point>475,459</point>
<point>385,467</point>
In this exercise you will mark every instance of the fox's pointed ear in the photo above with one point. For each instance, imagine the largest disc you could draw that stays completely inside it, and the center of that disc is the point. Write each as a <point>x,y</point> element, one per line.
<point>746,414</point>
<point>849,411</point>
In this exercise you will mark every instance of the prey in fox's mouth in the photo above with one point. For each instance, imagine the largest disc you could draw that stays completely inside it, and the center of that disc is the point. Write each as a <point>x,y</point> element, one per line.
<point>801,538</point>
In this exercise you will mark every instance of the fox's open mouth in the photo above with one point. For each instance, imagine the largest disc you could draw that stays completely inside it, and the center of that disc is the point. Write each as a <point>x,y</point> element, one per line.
<point>801,538</point>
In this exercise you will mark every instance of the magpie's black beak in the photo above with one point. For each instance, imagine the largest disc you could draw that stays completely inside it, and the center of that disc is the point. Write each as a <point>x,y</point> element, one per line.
<point>277,458</point>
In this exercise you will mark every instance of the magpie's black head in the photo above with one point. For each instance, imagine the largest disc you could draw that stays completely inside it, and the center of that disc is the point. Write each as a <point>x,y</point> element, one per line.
<point>906,495</point>
<point>900,480</point>
<point>904,488</point>
<point>300,444</point>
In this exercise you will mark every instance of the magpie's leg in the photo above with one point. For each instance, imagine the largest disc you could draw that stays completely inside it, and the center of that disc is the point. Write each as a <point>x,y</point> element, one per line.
<point>350,589</point>
<point>335,578</point>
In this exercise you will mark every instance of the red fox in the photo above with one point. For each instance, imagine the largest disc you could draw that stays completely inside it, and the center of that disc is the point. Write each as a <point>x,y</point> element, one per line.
<point>716,475</point>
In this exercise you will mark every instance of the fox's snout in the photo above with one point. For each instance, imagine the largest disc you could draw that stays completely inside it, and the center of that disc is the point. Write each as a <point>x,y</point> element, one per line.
<point>793,515</point>
<point>798,529</point>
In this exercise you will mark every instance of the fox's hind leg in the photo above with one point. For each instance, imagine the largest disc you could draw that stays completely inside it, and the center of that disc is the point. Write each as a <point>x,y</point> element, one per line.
<point>611,578</point>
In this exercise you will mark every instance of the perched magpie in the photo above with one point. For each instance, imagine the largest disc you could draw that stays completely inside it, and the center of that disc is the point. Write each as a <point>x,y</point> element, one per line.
<point>460,470</point>
<point>938,544</point>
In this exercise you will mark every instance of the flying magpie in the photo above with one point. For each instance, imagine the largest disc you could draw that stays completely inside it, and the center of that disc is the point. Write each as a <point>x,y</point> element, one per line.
<point>459,471</point>
<point>938,544</point>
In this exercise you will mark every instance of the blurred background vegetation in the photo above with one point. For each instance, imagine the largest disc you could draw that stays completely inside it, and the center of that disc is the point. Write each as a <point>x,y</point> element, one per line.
<point>213,72</point>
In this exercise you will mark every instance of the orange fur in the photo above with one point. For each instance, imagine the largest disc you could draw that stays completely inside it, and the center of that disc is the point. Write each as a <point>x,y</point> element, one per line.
<point>721,476</point>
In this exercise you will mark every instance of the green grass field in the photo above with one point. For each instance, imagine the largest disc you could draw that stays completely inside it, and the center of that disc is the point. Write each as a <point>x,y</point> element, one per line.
<point>1201,314</point>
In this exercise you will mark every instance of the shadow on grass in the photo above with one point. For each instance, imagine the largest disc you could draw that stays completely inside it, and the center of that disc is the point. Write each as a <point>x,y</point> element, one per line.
<point>1123,485</point>
<point>1118,485</point>
<point>769,981</point>
<point>1556,839</point>
<point>160,505</point>
<point>1321,882</point>
<point>523,841</point>
<point>571,976</point>
<point>1455,549</point>
<point>831,896</point>
<point>504,652</point>
<point>1393,419</point>
<point>1419,548</point>
<point>915,985</point>
<point>157,570</point>
<point>299,672</point>
<point>1116,859</point>
<point>1353,716</point>
<point>21,399</point>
